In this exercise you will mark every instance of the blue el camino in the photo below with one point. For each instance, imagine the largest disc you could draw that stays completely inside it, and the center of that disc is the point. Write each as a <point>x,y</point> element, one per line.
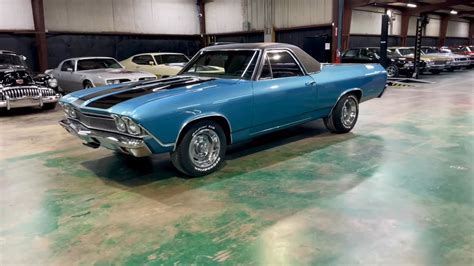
<point>224,95</point>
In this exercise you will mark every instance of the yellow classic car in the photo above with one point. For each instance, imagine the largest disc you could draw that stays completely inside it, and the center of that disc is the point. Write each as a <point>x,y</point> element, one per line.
<point>161,64</point>
<point>433,63</point>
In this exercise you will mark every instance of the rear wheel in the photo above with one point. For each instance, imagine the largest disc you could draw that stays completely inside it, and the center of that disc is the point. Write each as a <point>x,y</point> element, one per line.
<point>392,71</point>
<point>201,150</point>
<point>344,115</point>
<point>87,84</point>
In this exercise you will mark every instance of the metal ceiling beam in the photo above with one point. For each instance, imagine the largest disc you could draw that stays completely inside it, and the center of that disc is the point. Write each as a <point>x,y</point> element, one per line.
<point>433,7</point>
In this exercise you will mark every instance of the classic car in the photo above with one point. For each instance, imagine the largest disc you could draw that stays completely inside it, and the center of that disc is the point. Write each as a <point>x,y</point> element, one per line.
<point>396,64</point>
<point>19,89</point>
<point>458,61</point>
<point>262,87</point>
<point>14,60</point>
<point>433,64</point>
<point>465,50</point>
<point>163,65</point>
<point>88,72</point>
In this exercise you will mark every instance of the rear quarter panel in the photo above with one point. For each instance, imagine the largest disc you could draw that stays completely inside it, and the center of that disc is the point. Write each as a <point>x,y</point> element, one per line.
<point>334,80</point>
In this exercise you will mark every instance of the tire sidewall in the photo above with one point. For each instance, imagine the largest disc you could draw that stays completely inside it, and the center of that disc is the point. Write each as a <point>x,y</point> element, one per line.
<point>395,70</point>
<point>337,115</point>
<point>183,149</point>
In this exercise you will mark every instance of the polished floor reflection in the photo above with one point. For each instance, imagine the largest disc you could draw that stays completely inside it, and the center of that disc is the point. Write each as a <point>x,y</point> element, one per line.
<point>398,190</point>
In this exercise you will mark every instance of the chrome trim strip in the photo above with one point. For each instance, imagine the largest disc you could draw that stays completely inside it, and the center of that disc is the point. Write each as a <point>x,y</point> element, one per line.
<point>105,130</point>
<point>250,62</point>
<point>156,139</point>
<point>284,125</point>
<point>275,50</point>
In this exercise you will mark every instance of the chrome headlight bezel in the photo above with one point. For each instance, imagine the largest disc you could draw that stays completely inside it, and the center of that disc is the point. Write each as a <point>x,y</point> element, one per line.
<point>120,124</point>
<point>52,82</point>
<point>69,111</point>
<point>132,127</point>
<point>113,81</point>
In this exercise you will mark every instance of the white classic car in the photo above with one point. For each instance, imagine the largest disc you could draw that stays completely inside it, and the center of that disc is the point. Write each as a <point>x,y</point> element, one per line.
<point>87,72</point>
<point>163,65</point>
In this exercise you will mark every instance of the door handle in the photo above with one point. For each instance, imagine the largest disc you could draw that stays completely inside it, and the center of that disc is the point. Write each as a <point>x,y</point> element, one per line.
<point>310,83</point>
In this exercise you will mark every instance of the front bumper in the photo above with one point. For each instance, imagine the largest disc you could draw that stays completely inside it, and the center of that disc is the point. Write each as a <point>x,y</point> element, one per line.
<point>113,141</point>
<point>28,101</point>
<point>435,67</point>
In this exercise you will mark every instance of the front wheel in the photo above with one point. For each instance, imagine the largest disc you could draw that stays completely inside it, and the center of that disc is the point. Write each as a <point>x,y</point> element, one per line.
<point>392,71</point>
<point>344,115</point>
<point>87,85</point>
<point>201,150</point>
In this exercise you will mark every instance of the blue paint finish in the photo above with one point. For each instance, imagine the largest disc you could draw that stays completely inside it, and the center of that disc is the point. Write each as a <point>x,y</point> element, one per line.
<point>252,107</point>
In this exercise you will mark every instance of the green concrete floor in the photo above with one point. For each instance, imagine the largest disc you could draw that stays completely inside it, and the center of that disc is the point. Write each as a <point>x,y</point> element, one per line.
<point>398,190</point>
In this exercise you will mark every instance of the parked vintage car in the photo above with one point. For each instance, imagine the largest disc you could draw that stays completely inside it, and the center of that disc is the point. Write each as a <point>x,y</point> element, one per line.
<point>396,64</point>
<point>163,65</point>
<point>18,88</point>
<point>465,50</point>
<point>14,60</point>
<point>262,87</point>
<point>433,64</point>
<point>88,72</point>
<point>458,61</point>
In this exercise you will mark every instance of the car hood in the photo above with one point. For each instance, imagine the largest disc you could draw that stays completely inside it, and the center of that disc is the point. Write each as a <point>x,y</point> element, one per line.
<point>123,99</point>
<point>115,73</point>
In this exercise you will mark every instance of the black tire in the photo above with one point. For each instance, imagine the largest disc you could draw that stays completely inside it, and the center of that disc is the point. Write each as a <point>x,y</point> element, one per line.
<point>435,71</point>
<point>49,106</point>
<point>201,135</point>
<point>392,71</point>
<point>87,84</point>
<point>451,69</point>
<point>336,122</point>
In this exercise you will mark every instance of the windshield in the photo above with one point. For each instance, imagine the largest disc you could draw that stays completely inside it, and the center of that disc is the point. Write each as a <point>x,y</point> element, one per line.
<point>406,51</point>
<point>430,50</point>
<point>223,64</point>
<point>376,51</point>
<point>11,60</point>
<point>171,58</point>
<point>97,63</point>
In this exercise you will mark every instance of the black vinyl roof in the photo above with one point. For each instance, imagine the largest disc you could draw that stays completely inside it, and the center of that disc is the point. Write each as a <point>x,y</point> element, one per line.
<point>310,64</point>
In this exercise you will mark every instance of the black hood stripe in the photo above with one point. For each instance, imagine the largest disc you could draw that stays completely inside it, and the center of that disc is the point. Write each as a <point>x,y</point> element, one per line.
<point>134,91</point>
<point>132,85</point>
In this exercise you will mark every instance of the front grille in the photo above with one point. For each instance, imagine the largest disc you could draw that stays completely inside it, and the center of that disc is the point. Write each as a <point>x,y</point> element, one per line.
<point>21,92</point>
<point>97,122</point>
<point>17,93</point>
<point>461,59</point>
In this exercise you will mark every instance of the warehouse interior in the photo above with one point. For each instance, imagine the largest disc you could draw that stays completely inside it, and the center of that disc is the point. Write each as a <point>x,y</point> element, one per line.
<point>396,190</point>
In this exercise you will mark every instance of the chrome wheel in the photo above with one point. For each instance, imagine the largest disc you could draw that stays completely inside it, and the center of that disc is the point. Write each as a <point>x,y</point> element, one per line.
<point>349,112</point>
<point>204,148</point>
<point>391,71</point>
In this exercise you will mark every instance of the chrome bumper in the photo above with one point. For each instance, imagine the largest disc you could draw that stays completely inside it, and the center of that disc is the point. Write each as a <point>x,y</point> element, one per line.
<point>112,141</point>
<point>28,101</point>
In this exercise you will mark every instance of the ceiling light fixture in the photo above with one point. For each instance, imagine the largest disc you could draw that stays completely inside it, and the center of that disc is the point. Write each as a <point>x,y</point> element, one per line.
<point>411,5</point>
<point>454,12</point>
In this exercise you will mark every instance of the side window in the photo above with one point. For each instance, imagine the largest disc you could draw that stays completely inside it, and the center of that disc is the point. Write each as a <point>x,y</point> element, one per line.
<point>351,53</point>
<point>266,70</point>
<point>282,65</point>
<point>143,60</point>
<point>66,65</point>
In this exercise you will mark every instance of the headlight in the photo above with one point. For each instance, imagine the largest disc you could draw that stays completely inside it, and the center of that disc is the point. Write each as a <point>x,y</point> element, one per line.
<point>113,81</point>
<point>119,123</point>
<point>133,128</point>
<point>449,62</point>
<point>70,111</point>
<point>52,82</point>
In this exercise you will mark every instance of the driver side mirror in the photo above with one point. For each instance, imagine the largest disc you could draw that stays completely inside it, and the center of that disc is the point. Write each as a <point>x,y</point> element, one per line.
<point>151,63</point>
<point>69,69</point>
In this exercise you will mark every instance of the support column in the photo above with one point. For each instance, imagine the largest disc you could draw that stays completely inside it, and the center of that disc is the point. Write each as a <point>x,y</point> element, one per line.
<point>336,43</point>
<point>442,30</point>
<point>268,20</point>
<point>404,28</point>
<point>202,22</point>
<point>346,25</point>
<point>471,32</point>
<point>40,34</point>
